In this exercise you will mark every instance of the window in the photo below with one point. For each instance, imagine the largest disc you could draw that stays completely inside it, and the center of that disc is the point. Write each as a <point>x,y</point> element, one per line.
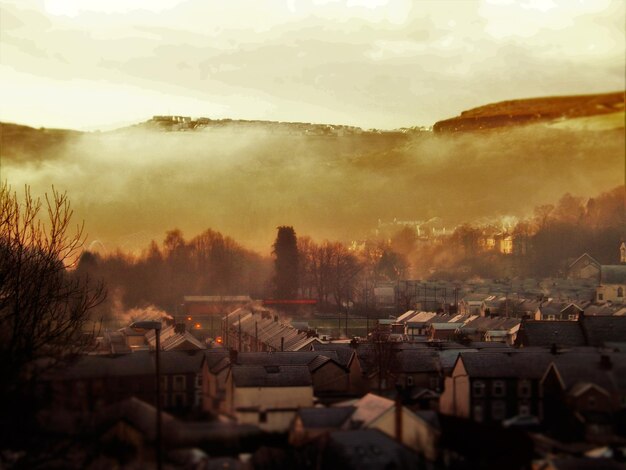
<point>600,296</point>
<point>198,380</point>
<point>262,416</point>
<point>572,316</point>
<point>498,410</point>
<point>197,402</point>
<point>179,400</point>
<point>498,388</point>
<point>478,413</point>
<point>550,317</point>
<point>179,383</point>
<point>524,388</point>
<point>591,402</point>
<point>409,381</point>
<point>478,388</point>
<point>620,292</point>
<point>524,409</point>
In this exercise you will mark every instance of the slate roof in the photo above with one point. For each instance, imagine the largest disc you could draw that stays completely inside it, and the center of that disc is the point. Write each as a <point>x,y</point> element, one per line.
<point>546,333</point>
<point>601,329</point>
<point>494,323</point>
<point>475,297</point>
<point>214,356</point>
<point>585,367</point>
<point>284,358</point>
<point>181,362</point>
<point>369,449</point>
<point>416,361</point>
<point>333,417</point>
<point>613,274</point>
<point>604,309</point>
<point>133,364</point>
<point>446,326</point>
<point>271,376</point>
<point>318,362</point>
<point>586,256</point>
<point>344,352</point>
<point>492,364</point>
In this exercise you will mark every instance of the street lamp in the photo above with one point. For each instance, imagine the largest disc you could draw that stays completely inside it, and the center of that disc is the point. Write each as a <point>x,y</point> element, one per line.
<point>156,326</point>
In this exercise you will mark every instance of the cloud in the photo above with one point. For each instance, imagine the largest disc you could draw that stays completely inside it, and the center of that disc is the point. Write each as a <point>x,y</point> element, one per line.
<point>352,62</point>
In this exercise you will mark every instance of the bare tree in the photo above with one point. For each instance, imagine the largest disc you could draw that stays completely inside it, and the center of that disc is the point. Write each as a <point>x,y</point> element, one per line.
<point>44,304</point>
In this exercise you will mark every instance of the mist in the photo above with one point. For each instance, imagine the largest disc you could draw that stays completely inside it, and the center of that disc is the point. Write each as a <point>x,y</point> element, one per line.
<point>131,186</point>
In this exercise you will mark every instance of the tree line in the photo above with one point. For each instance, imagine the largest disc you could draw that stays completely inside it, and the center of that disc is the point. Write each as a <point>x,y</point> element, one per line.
<point>543,245</point>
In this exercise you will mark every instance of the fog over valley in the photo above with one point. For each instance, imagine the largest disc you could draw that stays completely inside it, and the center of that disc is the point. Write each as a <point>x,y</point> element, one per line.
<point>132,185</point>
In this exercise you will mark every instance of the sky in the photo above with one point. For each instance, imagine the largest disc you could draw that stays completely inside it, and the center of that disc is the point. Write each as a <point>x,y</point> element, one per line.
<point>100,64</point>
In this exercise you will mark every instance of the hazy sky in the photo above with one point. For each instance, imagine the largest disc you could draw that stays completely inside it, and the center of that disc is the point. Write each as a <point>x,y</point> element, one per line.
<point>89,64</point>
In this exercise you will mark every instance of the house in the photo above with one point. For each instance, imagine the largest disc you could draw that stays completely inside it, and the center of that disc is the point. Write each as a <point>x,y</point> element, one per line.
<point>444,331</point>
<point>584,267</point>
<point>504,243</point>
<point>494,386</point>
<point>175,338</point>
<point>558,311</point>
<point>584,394</point>
<point>612,284</point>
<point>414,369</point>
<point>418,432</point>
<point>334,373</point>
<point>95,380</point>
<point>259,330</point>
<point>268,396</point>
<point>491,329</point>
<point>214,371</point>
<point>595,331</point>
<point>471,304</point>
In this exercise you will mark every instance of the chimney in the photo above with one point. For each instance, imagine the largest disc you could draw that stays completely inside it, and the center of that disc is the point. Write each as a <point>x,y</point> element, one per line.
<point>233,353</point>
<point>605,362</point>
<point>282,343</point>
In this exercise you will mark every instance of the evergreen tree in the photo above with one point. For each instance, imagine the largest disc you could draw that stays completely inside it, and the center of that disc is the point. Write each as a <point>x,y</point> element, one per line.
<point>286,263</point>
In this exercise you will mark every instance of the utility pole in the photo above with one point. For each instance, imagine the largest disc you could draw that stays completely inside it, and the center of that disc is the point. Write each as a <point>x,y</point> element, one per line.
<point>367,313</point>
<point>239,349</point>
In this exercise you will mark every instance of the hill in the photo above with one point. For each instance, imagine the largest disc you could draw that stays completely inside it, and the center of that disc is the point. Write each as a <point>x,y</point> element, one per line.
<point>29,144</point>
<point>603,111</point>
<point>245,178</point>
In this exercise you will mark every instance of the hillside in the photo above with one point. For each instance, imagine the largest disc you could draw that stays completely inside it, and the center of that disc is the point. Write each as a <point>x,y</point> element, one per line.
<point>245,178</point>
<point>603,111</point>
<point>30,144</point>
